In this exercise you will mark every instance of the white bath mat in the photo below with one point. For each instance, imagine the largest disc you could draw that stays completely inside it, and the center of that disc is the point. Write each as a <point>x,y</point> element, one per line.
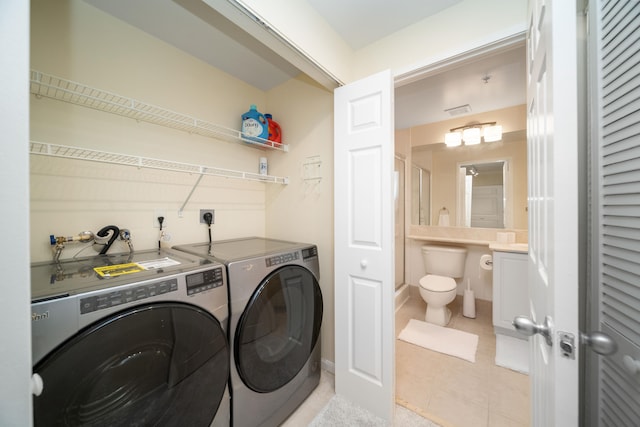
<point>444,340</point>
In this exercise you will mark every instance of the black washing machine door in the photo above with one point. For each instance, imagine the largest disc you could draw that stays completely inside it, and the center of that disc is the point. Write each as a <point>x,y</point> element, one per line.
<point>278,329</point>
<point>164,364</point>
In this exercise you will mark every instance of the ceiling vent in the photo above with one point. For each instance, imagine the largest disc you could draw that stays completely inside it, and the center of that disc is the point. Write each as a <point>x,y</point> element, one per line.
<point>457,111</point>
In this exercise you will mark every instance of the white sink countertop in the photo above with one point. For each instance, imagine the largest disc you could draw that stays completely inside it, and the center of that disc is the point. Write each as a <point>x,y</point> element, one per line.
<point>509,247</point>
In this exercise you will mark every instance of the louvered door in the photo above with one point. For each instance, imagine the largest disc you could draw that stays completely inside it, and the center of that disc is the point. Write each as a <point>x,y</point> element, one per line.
<point>613,382</point>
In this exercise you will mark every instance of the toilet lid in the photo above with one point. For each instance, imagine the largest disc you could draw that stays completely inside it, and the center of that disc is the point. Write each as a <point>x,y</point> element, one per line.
<point>434,283</point>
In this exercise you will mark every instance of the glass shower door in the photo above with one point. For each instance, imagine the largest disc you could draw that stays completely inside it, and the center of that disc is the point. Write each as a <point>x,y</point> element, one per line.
<point>399,186</point>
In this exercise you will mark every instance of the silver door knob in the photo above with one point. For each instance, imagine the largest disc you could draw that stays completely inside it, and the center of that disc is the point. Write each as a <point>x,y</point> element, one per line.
<point>527,327</point>
<point>600,343</point>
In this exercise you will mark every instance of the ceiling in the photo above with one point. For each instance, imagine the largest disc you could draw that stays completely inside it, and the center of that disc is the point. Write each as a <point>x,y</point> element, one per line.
<point>487,84</point>
<point>362,22</point>
<point>194,27</point>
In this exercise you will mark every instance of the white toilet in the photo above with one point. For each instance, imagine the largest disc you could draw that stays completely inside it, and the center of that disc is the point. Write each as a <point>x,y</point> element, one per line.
<point>438,287</point>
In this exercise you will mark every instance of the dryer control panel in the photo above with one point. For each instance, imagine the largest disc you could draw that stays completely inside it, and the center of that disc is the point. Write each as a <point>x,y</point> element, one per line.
<point>309,253</point>
<point>204,280</point>
<point>281,259</point>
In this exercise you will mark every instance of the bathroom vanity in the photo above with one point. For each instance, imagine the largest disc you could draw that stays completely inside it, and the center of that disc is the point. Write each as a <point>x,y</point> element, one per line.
<point>510,299</point>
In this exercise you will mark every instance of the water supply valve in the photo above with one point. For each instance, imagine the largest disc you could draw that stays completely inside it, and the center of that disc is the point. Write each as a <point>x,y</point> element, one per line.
<point>59,241</point>
<point>84,236</point>
<point>125,235</point>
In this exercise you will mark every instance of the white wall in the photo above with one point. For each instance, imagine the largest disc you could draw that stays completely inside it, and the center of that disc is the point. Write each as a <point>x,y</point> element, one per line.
<point>463,27</point>
<point>15,351</point>
<point>298,22</point>
<point>466,26</point>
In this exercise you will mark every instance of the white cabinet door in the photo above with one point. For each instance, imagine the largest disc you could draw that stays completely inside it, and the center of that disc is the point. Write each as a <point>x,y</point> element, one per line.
<point>510,293</point>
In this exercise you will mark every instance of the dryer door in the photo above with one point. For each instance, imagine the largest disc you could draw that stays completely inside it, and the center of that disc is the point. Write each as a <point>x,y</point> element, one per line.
<point>278,329</point>
<point>157,364</point>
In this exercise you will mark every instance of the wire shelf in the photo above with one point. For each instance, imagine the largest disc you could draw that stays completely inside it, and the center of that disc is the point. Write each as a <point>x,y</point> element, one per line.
<point>67,152</point>
<point>75,93</point>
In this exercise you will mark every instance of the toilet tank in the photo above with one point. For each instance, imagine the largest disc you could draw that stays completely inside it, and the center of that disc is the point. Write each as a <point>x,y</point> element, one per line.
<point>444,260</point>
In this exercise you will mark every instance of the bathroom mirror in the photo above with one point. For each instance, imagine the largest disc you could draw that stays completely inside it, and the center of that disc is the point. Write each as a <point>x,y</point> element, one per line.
<point>482,194</point>
<point>506,160</point>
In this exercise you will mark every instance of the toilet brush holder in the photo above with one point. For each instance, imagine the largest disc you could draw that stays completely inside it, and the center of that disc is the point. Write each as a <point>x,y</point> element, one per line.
<point>469,304</point>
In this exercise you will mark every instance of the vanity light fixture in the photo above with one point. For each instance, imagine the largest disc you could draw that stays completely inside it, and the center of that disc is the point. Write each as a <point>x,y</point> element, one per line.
<point>472,134</point>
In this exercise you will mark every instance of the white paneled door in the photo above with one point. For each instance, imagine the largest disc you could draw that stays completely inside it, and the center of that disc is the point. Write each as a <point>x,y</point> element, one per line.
<point>364,243</point>
<point>552,141</point>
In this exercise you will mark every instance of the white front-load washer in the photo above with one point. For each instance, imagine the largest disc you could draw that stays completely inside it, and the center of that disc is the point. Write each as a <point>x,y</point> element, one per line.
<point>276,309</point>
<point>131,339</point>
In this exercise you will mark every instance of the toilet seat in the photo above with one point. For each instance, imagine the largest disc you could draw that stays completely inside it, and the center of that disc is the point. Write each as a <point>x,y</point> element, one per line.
<point>435,283</point>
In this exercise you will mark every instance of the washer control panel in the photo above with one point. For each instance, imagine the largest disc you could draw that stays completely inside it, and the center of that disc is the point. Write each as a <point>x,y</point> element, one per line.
<point>115,298</point>
<point>195,282</point>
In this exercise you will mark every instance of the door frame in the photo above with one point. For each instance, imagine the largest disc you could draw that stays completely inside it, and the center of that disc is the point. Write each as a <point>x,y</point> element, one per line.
<point>514,41</point>
<point>457,59</point>
<point>584,184</point>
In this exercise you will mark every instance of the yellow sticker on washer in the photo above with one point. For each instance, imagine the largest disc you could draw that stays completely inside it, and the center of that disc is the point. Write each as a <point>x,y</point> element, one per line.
<point>118,269</point>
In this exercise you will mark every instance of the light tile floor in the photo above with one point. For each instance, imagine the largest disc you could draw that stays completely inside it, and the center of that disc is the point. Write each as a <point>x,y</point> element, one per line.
<point>308,410</point>
<point>445,389</point>
<point>452,391</point>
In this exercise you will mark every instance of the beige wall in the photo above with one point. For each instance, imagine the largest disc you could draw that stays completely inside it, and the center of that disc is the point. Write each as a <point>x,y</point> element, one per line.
<point>78,42</point>
<point>512,119</point>
<point>430,152</point>
<point>402,141</point>
<point>303,210</point>
<point>444,178</point>
<point>75,41</point>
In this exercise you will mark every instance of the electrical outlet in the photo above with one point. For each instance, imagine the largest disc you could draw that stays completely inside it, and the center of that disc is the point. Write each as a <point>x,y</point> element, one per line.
<point>156,214</point>
<point>204,211</point>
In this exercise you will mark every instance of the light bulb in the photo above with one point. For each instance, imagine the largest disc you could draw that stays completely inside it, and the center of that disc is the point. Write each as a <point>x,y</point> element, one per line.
<point>453,139</point>
<point>471,136</point>
<point>492,133</point>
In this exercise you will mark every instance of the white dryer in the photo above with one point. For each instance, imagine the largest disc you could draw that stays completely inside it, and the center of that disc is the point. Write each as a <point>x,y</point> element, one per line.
<point>274,331</point>
<point>131,339</point>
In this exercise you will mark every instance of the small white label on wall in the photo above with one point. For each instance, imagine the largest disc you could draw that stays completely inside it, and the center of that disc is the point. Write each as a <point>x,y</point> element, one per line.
<point>263,166</point>
<point>311,169</point>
